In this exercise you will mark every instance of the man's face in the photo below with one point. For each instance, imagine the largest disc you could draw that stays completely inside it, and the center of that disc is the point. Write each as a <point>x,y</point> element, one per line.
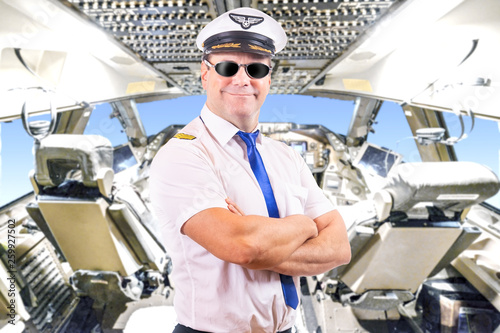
<point>236,99</point>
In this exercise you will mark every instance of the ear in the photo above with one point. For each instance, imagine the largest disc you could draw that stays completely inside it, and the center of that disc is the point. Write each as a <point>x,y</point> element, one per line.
<point>204,73</point>
<point>268,83</point>
<point>269,76</point>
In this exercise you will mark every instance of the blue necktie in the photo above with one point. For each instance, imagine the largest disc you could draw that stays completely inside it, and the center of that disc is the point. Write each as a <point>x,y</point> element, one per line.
<point>289,291</point>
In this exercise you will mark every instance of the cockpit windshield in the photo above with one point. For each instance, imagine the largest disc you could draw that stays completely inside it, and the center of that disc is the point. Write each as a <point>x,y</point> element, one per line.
<point>390,135</point>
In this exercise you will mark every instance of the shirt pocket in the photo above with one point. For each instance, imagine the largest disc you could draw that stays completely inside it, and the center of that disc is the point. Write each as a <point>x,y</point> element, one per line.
<point>296,198</point>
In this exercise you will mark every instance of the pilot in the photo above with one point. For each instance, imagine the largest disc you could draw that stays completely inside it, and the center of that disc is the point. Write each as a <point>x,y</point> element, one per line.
<point>240,214</point>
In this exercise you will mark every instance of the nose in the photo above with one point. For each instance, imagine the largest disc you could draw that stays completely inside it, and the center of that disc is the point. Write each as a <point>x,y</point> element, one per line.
<point>241,78</point>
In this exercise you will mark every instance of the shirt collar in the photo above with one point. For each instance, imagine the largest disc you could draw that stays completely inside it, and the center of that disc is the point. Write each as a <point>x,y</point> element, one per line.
<point>221,129</point>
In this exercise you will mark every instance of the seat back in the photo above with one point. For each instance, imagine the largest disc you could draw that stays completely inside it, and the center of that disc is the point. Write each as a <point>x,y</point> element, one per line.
<point>399,256</point>
<point>87,235</point>
<point>95,231</point>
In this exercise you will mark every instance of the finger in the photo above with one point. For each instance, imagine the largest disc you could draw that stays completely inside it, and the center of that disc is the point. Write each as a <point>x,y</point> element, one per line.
<point>233,207</point>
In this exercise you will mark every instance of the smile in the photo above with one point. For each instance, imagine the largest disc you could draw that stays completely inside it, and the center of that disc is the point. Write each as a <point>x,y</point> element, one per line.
<point>239,95</point>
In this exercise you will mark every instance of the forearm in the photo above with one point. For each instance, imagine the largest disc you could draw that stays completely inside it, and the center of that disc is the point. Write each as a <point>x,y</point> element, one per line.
<point>315,256</point>
<point>277,239</point>
<point>318,255</point>
<point>254,242</point>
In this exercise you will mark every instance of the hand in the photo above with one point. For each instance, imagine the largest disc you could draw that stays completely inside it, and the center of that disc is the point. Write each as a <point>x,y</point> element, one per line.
<point>233,208</point>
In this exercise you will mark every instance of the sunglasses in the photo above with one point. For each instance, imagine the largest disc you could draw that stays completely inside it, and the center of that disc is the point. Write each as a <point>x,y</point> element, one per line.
<point>255,70</point>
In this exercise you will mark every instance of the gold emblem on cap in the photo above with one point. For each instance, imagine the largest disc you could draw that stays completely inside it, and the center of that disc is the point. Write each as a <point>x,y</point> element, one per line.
<point>255,47</point>
<point>246,21</point>
<point>236,45</point>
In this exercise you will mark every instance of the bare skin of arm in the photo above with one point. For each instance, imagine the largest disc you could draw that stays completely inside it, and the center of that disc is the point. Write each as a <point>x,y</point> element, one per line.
<point>252,241</point>
<point>316,255</point>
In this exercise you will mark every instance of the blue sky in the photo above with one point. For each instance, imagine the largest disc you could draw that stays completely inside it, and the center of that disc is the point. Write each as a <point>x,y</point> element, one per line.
<point>391,131</point>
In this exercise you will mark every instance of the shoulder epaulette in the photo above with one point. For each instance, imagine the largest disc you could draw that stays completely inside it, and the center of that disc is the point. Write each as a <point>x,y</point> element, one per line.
<point>184,136</point>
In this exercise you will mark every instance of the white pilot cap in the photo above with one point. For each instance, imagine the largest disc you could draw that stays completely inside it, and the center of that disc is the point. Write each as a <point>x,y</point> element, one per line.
<point>242,30</point>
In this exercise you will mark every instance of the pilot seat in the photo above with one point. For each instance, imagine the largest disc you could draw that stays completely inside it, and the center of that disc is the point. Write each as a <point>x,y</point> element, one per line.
<point>417,230</point>
<point>101,228</point>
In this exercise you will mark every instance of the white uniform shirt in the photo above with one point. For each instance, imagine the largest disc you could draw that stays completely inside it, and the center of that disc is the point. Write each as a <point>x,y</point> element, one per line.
<point>193,174</point>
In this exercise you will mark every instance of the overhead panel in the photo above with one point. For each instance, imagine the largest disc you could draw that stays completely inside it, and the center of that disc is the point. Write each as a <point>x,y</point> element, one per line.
<point>164,33</point>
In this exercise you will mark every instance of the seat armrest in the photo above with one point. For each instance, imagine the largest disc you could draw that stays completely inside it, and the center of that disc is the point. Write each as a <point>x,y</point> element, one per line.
<point>383,204</point>
<point>104,179</point>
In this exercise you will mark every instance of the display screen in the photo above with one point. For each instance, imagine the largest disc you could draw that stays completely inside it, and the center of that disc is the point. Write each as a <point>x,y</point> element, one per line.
<point>299,146</point>
<point>378,161</point>
<point>123,158</point>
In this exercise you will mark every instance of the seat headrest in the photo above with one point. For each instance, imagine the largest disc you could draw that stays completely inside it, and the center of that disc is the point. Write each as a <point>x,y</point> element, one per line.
<point>59,154</point>
<point>450,186</point>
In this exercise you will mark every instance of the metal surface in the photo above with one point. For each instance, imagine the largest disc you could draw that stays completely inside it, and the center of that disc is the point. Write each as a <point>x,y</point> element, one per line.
<point>163,33</point>
<point>424,118</point>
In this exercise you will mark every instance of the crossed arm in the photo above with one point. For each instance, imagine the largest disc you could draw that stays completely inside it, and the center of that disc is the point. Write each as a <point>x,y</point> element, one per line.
<point>293,245</point>
<point>320,254</point>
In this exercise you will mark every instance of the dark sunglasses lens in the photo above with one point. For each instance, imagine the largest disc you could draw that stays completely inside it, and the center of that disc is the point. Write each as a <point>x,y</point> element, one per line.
<point>227,68</point>
<point>257,70</point>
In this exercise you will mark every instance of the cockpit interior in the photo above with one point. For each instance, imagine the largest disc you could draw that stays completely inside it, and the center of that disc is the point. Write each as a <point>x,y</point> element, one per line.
<point>80,249</point>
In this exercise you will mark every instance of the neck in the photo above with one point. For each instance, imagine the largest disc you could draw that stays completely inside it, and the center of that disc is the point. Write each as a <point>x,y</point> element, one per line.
<point>245,126</point>
<point>243,121</point>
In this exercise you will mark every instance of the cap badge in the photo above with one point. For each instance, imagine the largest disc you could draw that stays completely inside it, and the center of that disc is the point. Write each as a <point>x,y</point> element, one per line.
<point>246,21</point>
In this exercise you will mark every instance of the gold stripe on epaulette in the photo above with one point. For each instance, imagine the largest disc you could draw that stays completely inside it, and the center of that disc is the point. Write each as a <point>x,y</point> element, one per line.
<point>184,136</point>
